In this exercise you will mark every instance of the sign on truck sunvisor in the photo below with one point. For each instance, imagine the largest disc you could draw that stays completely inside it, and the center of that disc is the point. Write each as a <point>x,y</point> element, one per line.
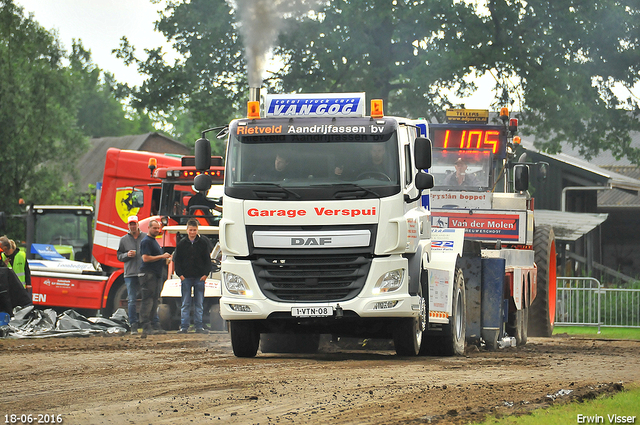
<point>315,105</point>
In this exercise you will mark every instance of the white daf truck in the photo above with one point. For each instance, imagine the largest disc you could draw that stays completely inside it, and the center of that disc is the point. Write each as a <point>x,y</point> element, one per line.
<point>324,232</point>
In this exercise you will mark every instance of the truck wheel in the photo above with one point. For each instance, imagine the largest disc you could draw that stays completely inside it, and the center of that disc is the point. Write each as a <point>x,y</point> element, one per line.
<point>516,327</point>
<point>543,309</point>
<point>407,335</point>
<point>216,321</point>
<point>120,300</point>
<point>290,343</point>
<point>524,327</point>
<point>245,338</point>
<point>455,332</point>
<point>164,316</point>
<point>518,324</point>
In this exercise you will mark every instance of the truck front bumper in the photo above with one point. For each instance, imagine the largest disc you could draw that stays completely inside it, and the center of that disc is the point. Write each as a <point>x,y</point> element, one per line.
<point>369,303</point>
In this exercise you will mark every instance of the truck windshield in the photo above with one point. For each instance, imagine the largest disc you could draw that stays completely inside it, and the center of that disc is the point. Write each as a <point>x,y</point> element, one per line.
<point>313,166</point>
<point>181,202</point>
<point>67,229</point>
<point>462,169</point>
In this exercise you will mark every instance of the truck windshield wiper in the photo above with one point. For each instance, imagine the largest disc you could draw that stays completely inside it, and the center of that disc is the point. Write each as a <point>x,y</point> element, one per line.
<point>350,190</point>
<point>279,192</point>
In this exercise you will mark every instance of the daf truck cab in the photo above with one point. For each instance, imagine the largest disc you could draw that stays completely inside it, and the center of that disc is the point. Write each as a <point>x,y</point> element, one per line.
<point>323,231</point>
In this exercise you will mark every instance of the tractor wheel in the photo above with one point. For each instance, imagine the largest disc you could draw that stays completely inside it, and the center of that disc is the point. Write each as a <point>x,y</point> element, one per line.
<point>245,338</point>
<point>543,309</point>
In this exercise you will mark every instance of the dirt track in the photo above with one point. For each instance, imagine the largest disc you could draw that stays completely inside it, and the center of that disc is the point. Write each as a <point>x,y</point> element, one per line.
<point>180,378</point>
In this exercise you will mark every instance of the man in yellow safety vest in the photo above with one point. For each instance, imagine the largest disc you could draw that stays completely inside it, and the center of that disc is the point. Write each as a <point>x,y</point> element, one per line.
<point>15,259</point>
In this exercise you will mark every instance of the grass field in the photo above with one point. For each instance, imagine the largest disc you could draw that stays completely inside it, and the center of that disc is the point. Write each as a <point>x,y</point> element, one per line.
<point>602,410</point>
<point>592,331</point>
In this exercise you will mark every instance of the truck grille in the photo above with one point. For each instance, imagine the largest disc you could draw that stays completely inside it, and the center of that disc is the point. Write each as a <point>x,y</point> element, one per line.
<point>312,279</point>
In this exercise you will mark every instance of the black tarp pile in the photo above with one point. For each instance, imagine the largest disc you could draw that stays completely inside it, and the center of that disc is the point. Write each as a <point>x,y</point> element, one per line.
<point>29,322</point>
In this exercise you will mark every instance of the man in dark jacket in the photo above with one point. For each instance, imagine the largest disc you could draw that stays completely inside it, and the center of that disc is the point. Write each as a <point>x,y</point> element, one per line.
<point>12,293</point>
<point>153,264</point>
<point>192,265</point>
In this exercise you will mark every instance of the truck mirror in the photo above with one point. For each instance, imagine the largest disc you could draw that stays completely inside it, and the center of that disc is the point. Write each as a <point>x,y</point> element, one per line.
<point>137,198</point>
<point>543,170</point>
<point>203,154</point>
<point>202,182</point>
<point>424,181</point>
<point>521,177</point>
<point>422,151</point>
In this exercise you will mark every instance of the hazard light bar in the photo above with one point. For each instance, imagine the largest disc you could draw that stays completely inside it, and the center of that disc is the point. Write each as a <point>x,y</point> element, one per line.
<point>336,105</point>
<point>163,173</point>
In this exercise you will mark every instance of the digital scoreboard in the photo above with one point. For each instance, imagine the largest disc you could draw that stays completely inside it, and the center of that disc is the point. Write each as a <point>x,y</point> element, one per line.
<point>465,136</point>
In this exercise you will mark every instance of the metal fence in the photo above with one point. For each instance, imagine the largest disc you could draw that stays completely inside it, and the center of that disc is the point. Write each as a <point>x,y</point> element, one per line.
<point>583,301</point>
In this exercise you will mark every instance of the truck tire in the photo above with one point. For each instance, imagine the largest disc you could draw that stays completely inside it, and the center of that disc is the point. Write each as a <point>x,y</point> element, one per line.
<point>517,327</point>
<point>524,327</point>
<point>452,340</point>
<point>407,334</point>
<point>120,300</point>
<point>215,320</point>
<point>117,295</point>
<point>543,309</point>
<point>455,333</point>
<point>518,323</point>
<point>245,338</point>
<point>290,343</point>
<point>164,316</point>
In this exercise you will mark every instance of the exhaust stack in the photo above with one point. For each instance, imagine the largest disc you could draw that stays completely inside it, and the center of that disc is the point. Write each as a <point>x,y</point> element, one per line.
<point>254,94</point>
<point>253,106</point>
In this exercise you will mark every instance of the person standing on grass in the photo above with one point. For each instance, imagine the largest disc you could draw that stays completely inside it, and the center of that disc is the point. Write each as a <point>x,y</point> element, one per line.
<point>192,264</point>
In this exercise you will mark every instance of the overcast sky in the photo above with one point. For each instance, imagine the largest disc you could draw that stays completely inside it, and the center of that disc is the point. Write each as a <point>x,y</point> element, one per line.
<point>100,24</point>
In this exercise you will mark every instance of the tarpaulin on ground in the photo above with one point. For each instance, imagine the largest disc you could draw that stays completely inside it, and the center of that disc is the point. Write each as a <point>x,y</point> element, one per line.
<point>29,322</point>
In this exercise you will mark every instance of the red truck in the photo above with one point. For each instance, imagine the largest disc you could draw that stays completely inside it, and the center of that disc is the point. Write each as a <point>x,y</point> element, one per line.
<point>146,184</point>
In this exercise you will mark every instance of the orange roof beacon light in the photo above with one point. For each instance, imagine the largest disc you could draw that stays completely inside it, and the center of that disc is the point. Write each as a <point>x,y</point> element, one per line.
<point>253,109</point>
<point>153,164</point>
<point>504,114</point>
<point>376,108</point>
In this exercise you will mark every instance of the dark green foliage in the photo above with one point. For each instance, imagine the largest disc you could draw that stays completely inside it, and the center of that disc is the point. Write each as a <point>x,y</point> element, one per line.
<point>555,61</point>
<point>38,132</point>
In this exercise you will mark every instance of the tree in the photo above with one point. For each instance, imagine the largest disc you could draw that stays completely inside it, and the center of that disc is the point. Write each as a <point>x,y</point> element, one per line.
<point>38,132</point>
<point>557,62</point>
<point>100,112</point>
<point>206,86</point>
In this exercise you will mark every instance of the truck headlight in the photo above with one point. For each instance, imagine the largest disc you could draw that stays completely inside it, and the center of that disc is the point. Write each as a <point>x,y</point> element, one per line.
<point>389,282</point>
<point>236,285</point>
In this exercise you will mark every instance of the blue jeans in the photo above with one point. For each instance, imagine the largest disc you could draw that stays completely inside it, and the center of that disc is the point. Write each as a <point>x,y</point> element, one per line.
<point>132,295</point>
<point>198,299</point>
